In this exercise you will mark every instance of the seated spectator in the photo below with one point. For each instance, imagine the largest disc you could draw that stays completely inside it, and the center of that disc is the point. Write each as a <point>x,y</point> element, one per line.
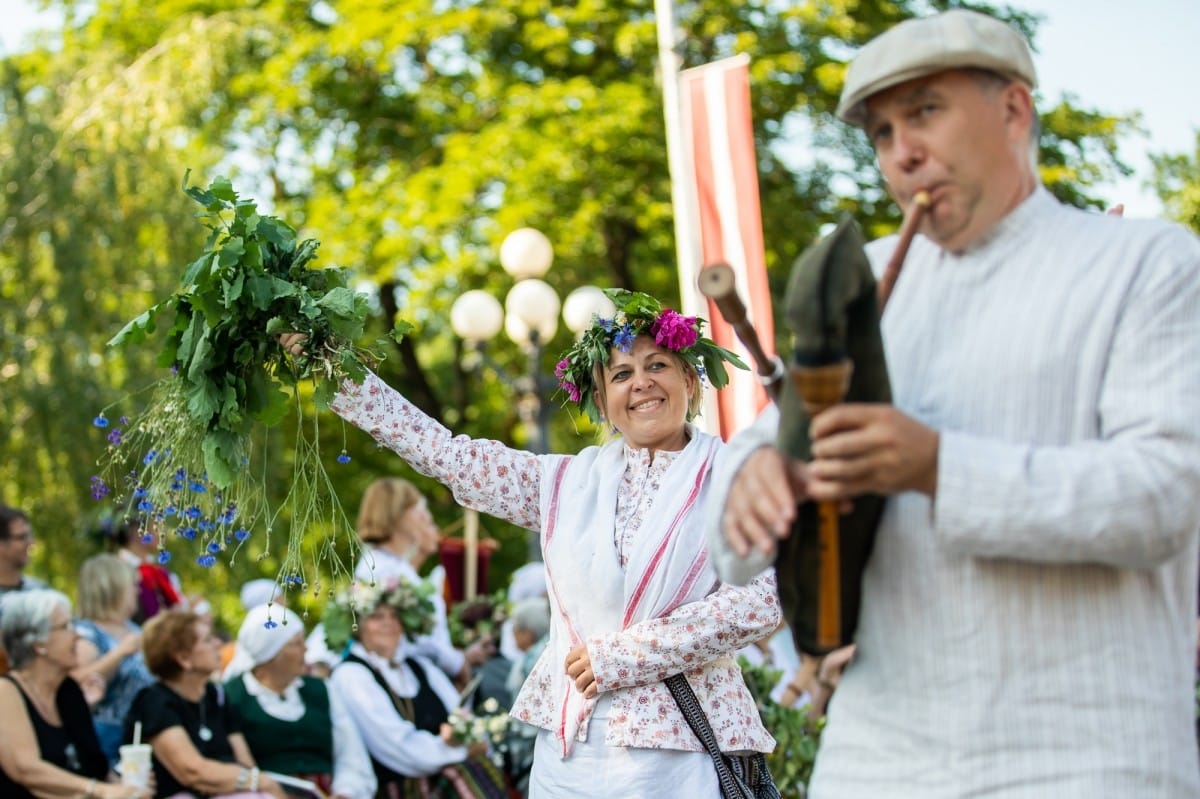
<point>158,588</point>
<point>197,739</point>
<point>16,539</point>
<point>48,746</point>
<point>527,582</point>
<point>110,646</point>
<point>412,747</point>
<point>293,724</point>
<point>260,591</point>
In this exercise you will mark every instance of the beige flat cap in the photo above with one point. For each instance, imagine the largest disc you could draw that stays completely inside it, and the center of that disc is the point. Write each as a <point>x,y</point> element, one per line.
<point>918,47</point>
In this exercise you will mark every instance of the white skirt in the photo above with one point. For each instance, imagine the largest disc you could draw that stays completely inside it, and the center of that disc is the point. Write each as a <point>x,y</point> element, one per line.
<point>595,770</point>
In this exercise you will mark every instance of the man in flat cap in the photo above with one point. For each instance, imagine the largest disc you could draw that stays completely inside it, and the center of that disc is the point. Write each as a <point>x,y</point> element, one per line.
<point>1027,621</point>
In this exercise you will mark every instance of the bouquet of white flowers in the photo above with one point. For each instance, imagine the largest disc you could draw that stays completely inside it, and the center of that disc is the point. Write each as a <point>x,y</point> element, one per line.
<point>491,727</point>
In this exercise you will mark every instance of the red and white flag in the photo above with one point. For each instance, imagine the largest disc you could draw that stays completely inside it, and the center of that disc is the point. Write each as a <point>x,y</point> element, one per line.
<point>725,223</point>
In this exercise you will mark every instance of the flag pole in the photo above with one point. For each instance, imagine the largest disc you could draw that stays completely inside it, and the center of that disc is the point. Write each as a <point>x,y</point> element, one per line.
<point>669,63</point>
<point>683,201</point>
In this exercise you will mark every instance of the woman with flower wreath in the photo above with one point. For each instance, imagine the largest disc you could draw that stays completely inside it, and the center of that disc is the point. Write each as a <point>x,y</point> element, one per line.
<point>633,595</point>
<point>413,750</point>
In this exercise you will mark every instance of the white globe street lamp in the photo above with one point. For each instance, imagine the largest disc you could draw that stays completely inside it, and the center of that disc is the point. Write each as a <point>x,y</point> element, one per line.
<point>529,317</point>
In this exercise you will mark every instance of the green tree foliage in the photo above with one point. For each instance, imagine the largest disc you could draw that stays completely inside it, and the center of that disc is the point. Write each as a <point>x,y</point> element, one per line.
<point>409,137</point>
<point>1177,181</point>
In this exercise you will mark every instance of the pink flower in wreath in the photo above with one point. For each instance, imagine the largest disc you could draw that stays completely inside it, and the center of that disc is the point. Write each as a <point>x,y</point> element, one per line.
<point>674,331</point>
<point>560,371</point>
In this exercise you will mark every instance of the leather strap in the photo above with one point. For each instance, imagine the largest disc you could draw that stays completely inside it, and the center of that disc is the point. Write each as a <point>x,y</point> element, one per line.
<point>693,713</point>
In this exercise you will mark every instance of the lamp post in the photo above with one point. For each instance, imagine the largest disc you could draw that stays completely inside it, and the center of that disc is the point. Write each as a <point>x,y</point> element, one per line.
<point>530,318</point>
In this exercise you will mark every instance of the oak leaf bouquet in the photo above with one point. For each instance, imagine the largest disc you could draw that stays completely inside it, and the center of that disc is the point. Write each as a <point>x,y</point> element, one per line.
<point>192,463</point>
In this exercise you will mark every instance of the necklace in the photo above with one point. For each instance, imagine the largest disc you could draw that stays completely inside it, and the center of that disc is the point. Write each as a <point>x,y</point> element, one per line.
<point>204,733</point>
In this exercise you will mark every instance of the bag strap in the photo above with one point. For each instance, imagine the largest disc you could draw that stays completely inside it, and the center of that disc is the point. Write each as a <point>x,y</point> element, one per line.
<point>693,714</point>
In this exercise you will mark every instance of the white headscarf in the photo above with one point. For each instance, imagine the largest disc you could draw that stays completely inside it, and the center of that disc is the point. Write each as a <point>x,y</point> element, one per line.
<point>528,582</point>
<point>265,630</point>
<point>260,592</point>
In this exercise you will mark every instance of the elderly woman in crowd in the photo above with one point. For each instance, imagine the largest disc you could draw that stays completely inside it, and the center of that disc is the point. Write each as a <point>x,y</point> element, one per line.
<point>412,748</point>
<point>110,646</point>
<point>196,736</point>
<point>48,746</point>
<point>293,724</point>
<point>633,594</point>
<point>398,536</point>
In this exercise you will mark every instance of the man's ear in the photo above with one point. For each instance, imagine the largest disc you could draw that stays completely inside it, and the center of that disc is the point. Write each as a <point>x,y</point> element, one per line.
<point>1018,109</point>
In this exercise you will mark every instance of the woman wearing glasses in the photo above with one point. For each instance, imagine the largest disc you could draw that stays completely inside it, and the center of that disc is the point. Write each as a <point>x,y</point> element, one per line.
<point>47,742</point>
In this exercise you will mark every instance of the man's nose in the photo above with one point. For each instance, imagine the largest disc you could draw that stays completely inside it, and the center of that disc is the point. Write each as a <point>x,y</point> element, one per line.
<point>908,148</point>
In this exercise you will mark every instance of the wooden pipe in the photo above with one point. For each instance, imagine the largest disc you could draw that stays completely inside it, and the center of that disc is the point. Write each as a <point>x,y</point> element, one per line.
<point>821,387</point>
<point>717,282</point>
<point>912,220</point>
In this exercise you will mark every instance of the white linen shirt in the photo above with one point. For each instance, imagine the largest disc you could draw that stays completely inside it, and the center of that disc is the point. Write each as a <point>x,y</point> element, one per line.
<point>1031,633</point>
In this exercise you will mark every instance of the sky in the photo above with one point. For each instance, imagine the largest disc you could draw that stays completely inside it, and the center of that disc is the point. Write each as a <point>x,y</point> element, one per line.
<point>1114,56</point>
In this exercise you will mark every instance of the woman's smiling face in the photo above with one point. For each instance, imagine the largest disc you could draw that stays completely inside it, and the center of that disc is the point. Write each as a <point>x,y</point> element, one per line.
<point>645,395</point>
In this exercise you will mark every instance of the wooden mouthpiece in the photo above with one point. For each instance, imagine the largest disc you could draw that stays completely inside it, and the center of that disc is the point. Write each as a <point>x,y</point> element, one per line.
<point>912,221</point>
<point>718,283</point>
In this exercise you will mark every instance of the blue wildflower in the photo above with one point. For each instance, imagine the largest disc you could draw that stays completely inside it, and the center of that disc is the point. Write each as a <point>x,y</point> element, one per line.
<point>150,456</point>
<point>271,624</point>
<point>188,532</point>
<point>100,421</point>
<point>123,420</point>
<point>214,547</point>
<point>206,524</point>
<point>148,538</point>
<point>99,487</point>
<point>207,561</point>
<point>164,557</point>
<point>141,492</point>
<point>114,437</point>
<point>197,486</point>
<point>170,510</point>
<point>623,338</point>
<point>193,512</point>
<point>145,506</point>
<point>344,457</point>
<point>241,534</point>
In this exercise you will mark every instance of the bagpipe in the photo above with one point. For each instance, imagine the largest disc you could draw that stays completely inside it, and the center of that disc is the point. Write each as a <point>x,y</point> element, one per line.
<point>832,305</point>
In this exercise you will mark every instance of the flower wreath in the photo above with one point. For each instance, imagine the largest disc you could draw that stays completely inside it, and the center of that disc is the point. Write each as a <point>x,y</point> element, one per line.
<point>411,601</point>
<point>638,314</point>
<point>473,619</point>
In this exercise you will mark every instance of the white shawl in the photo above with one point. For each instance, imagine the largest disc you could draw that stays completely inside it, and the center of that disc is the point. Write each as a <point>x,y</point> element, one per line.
<point>590,593</point>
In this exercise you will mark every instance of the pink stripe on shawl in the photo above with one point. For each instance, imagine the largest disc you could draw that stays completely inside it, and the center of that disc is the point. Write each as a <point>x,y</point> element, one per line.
<point>640,591</point>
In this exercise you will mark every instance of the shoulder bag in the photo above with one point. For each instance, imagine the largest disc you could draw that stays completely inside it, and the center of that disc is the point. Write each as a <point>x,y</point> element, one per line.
<point>740,776</point>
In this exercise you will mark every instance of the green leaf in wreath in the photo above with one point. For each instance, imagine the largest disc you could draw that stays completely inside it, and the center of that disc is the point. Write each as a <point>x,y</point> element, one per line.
<point>203,401</point>
<point>400,330</point>
<point>323,394</point>
<point>135,330</point>
<point>222,457</point>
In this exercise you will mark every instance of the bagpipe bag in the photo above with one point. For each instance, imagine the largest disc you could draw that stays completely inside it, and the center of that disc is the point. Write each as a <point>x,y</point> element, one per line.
<point>832,309</point>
